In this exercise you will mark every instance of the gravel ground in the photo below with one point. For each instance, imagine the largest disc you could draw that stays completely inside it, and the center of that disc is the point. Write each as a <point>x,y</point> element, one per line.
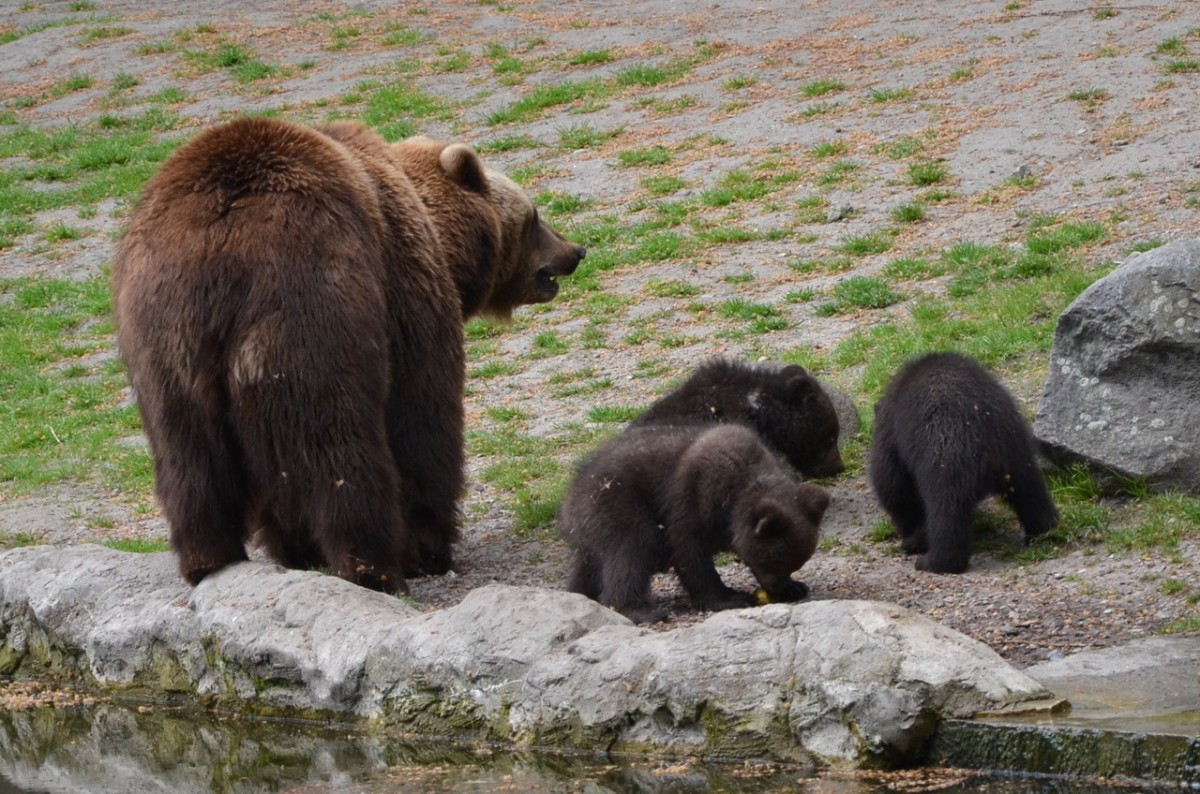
<point>1078,103</point>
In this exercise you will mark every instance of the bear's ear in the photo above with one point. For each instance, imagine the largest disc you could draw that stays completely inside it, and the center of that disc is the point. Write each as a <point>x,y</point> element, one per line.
<point>800,387</point>
<point>814,501</point>
<point>766,521</point>
<point>463,166</point>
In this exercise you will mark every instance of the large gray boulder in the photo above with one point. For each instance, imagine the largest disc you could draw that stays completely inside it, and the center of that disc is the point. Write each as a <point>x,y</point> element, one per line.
<point>845,682</point>
<point>1123,392</point>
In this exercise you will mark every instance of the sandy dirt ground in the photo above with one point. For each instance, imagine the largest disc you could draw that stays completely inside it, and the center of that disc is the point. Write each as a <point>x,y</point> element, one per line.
<point>1034,108</point>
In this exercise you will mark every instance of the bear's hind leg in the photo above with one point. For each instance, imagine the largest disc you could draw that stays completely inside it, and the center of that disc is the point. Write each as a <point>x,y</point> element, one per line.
<point>897,493</point>
<point>1030,499</point>
<point>628,563</point>
<point>203,495</point>
<point>357,526</point>
<point>289,543</point>
<point>947,527</point>
<point>585,575</point>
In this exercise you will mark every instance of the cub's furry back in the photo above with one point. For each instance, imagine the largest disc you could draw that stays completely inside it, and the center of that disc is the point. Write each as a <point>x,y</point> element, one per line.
<point>786,406</point>
<point>947,434</point>
<point>656,498</point>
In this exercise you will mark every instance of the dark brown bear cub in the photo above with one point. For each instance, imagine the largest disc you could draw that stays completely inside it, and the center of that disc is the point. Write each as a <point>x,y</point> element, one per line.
<point>947,434</point>
<point>289,303</point>
<point>786,405</point>
<point>654,498</point>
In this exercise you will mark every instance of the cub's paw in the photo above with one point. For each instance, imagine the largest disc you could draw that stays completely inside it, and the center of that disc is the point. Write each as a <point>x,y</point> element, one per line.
<point>793,591</point>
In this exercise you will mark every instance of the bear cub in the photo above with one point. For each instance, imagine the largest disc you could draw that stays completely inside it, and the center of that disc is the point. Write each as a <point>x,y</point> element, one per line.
<point>947,434</point>
<point>785,405</point>
<point>656,498</point>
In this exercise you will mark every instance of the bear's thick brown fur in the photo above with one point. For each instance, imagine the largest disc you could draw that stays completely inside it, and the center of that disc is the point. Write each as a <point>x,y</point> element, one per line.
<point>660,497</point>
<point>289,303</point>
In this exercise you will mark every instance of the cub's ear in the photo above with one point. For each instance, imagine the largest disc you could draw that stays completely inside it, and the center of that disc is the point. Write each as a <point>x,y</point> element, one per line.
<point>801,386</point>
<point>814,501</point>
<point>767,523</point>
<point>463,166</point>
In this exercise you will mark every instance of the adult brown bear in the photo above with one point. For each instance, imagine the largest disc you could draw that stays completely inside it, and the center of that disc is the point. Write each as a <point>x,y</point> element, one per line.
<point>289,303</point>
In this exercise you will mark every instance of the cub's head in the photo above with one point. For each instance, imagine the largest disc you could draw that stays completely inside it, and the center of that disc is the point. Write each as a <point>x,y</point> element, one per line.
<point>778,534</point>
<point>501,253</point>
<point>793,412</point>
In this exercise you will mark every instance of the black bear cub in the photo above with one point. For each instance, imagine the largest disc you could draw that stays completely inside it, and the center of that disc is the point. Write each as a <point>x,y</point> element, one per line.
<point>654,498</point>
<point>785,405</point>
<point>947,434</point>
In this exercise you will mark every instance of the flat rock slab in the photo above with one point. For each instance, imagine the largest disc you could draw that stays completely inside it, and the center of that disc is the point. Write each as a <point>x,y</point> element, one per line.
<point>1150,679</point>
<point>844,682</point>
<point>1134,714</point>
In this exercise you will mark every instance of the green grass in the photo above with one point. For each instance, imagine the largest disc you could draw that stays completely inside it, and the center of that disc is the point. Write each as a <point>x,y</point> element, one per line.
<point>1013,318</point>
<point>653,155</point>
<point>1182,66</point>
<point>822,87</point>
<point>833,148</point>
<point>760,317</point>
<point>908,213</point>
<point>395,109</point>
<point>927,173</point>
<point>507,143</point>
<point>875,242</point>
<point>544,97</point>
<point>590,58</point>
<point>890,94</point>
<point>663,184</point>
<point>63,414</point>
<point>138,545</point>
<point>240,61</point>
<point>860,292</point>
<point>532,470</point>
<point>585,136</point>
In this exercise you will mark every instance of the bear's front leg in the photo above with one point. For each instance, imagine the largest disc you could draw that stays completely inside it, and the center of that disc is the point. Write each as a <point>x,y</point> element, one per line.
<point>703,584</point>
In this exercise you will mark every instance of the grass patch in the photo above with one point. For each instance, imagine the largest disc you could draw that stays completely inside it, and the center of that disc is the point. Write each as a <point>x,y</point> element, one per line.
<point>544,97</point>
<point>63,413</point>
<point>507,143</point>
<point>138,545</point>
<point>824,149</point>
<point>860,292</point>
<point>865,244</point>
<point>663,185</point>
<point>586,136</point>
<point>821,87</point>
<point>890,94</point>
<point>1010,319</point>
<point>759,316</point>
<point>1182,66</point>
<point>929,172</point>
<point>394,109</point>
<point>653,155</point>
<point>908,213</point>
<point>590,58</point>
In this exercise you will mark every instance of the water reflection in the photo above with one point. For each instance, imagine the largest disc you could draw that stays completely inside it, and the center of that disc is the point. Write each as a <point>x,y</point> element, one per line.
<point>109,747</point>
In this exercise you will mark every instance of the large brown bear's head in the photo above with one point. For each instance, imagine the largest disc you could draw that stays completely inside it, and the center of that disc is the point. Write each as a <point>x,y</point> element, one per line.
<point>501,253</point>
